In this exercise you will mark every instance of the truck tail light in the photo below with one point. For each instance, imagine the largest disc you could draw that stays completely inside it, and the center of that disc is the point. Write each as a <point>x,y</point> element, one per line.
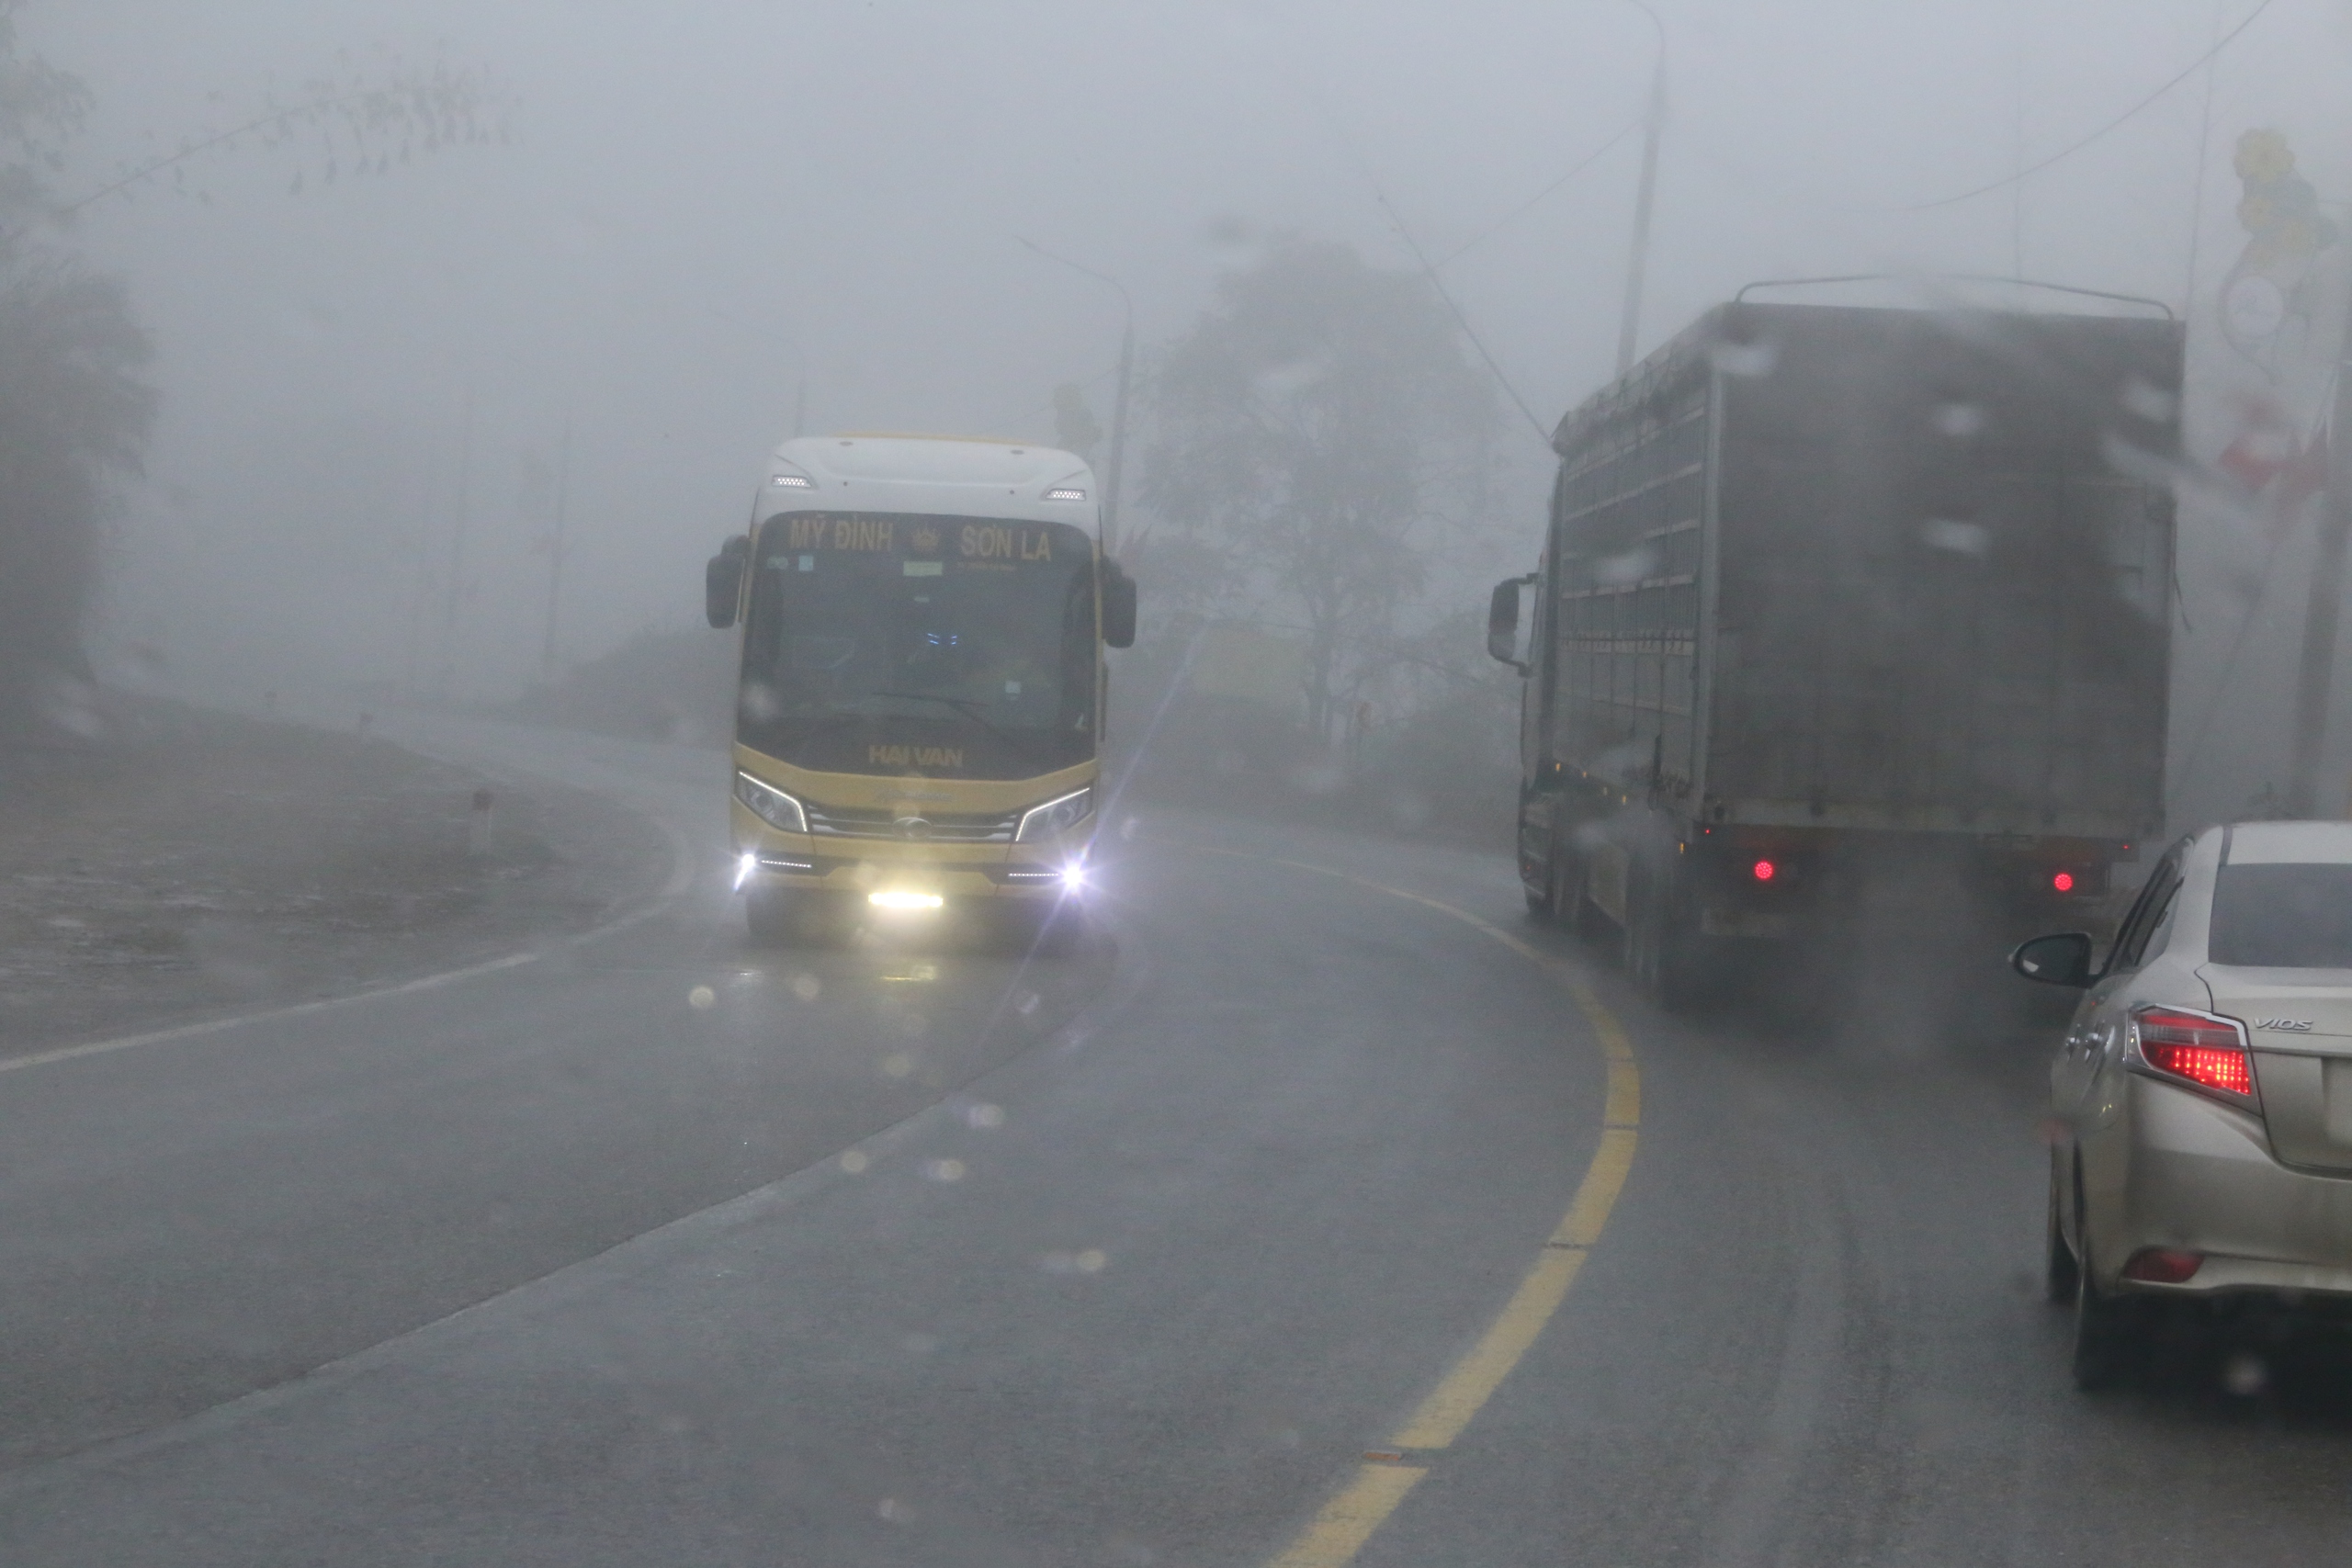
<point>2063,882</point>
<point>1764,871</point>
<point>2196,1048</point>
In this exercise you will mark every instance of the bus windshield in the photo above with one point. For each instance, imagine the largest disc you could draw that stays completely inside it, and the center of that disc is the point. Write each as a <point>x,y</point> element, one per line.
<point>956,647</point>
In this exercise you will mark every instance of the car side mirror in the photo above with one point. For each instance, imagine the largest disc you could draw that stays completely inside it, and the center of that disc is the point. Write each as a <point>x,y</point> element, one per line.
<point>2061,960</point>
<point>1118,605</point>
<point>722,580</point>
<point>1502,622</point>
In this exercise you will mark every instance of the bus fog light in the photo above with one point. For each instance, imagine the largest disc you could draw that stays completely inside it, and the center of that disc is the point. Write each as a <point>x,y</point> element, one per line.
<point>901,899</point>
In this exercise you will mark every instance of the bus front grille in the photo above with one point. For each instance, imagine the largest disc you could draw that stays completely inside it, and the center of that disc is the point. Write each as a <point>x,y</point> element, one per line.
<point>946,828</point>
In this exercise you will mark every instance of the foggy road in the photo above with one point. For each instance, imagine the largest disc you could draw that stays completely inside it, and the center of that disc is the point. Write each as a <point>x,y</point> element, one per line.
<point>657,1248</point>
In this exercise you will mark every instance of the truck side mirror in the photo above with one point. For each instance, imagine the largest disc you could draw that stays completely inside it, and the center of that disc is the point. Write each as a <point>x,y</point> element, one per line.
<point>722,580</point>
<point>1118,605</point>
<point>2061,960</point>
<point>1502,622</point>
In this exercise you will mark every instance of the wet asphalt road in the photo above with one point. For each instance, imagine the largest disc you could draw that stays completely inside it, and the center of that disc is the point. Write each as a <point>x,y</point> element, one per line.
<point>661,1249</point>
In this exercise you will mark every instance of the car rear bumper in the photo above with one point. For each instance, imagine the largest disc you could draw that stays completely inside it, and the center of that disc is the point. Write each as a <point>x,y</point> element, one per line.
<point>2200,1177</point>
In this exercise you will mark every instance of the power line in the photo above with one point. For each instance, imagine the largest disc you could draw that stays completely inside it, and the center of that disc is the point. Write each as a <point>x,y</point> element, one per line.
<point>1516,213</point>
<point>2069,151</point>
<point>1459,318</point>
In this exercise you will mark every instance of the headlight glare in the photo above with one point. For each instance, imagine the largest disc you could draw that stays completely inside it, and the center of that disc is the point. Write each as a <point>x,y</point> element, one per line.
<point>1055,818</point>
<point>770,805</point>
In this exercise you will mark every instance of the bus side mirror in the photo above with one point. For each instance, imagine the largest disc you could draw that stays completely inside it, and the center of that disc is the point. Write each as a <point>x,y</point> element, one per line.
<point>1502,622</point>
<point>1118,605</point>
<point>722,580</point>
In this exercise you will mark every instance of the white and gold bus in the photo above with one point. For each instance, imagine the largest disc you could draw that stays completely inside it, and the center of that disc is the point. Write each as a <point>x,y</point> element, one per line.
<point>919,715</point>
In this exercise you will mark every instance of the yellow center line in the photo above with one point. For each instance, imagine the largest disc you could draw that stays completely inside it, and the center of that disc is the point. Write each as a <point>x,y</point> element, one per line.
<point>1348,1520</point>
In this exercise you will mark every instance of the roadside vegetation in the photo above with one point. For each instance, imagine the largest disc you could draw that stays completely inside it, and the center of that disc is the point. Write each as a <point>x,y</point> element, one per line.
<point>75,410</point>
<point>1322,515</point>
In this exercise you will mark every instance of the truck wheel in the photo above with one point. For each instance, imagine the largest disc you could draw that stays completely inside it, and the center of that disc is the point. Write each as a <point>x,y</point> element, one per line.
<point>1542,907</point>
<point>1586,920</point>
<point>1660,951</point>
<point>1639,938</point>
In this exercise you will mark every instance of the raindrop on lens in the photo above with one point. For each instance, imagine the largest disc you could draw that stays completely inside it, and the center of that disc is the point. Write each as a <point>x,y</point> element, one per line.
<point>898,1063</point>
<point>1957,421</point>
<point>805,987</point>
<point>944,1171</point>
<point>853,1162</point>
<point>701,996</point>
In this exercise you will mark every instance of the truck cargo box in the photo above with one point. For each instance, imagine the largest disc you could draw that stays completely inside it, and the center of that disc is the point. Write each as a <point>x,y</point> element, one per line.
<point>1827,572</point>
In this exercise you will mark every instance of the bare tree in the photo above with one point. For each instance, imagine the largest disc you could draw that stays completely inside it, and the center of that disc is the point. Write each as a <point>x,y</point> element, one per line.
<point>74,414</point>
<point>1300,423</point>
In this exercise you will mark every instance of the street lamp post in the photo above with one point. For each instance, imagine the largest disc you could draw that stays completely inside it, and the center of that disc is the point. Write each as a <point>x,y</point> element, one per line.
<point>1637,264</point>
<point>1117,463</point>
<point>2325,607</point>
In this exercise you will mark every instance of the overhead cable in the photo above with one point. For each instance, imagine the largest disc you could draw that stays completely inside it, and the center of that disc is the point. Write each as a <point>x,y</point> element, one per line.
<point>2071,149</point>
<point>1516,213</point>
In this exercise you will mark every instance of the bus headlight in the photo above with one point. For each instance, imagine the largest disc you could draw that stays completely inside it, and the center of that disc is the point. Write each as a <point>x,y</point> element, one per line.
<point>1055,818</point>
<point>770,805</point>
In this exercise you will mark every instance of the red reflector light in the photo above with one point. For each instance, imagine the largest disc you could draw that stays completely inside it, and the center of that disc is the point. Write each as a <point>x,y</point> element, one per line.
<point>2208,1052</point>
<point>2063,882</point>
<point>2163,1265</point>
<point>1764,870</point>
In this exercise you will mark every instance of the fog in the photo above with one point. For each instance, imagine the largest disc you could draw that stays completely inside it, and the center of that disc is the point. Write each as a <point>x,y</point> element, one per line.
<point>708,216</point>
<point>1283,1022</point>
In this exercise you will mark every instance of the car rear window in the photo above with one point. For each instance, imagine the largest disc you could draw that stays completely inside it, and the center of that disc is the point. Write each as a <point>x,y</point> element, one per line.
<point>2282,917</point>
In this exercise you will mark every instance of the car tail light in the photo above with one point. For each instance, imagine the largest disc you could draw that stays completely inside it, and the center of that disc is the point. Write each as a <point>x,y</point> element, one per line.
<point>2197,1048</point>
<point>2163,1265</point>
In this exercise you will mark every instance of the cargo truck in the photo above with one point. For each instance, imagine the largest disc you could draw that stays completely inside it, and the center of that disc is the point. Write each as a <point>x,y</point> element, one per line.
<point>1835,600</point>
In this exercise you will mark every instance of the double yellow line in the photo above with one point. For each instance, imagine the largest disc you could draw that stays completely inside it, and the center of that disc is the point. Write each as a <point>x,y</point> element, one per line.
<point>1348,1520</point>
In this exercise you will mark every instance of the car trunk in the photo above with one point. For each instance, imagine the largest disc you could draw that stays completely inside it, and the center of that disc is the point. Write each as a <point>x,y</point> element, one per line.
<point>2299,1023</point>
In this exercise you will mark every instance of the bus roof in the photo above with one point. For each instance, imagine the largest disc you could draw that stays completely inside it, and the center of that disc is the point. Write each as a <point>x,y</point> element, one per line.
<point>948,475</point>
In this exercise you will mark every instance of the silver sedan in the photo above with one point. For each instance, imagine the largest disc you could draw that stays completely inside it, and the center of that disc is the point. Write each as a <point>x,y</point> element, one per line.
<point>2202,1097</point>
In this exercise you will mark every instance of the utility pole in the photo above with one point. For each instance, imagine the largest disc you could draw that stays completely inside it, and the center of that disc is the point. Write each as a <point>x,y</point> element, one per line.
<point>2313,679</point>
<point>1645,200</point>
<point>1119,404</point>
<point>555,554</point>
<point>458,554</point>
<point>420,605</point>
<point>1118,431</point>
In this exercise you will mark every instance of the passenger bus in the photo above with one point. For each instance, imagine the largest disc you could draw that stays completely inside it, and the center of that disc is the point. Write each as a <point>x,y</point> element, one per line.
<point>920,708</point>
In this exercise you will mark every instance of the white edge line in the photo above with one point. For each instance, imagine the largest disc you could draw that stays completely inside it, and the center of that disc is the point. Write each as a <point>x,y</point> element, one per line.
<point>616,1264</point>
